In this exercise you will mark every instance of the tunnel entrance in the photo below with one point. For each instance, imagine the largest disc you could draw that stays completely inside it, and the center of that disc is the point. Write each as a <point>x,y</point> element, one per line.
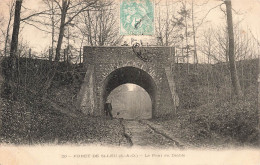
<point>131,77</point>
<point>130,101</point>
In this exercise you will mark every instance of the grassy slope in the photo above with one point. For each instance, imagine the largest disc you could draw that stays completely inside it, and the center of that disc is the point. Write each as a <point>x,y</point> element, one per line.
<point>208,116</point>
<point>204,97</point>
<point>49,126</point>
<point>31,120</point>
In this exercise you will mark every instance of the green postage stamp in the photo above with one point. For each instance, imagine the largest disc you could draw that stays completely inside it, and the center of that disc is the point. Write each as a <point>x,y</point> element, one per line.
<point>137,17</point>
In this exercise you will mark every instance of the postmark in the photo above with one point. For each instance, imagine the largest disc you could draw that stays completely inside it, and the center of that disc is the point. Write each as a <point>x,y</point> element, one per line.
<point>137,17</point>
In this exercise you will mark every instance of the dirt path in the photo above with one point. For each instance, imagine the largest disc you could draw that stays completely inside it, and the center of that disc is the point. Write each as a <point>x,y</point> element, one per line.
<point>139,133</point>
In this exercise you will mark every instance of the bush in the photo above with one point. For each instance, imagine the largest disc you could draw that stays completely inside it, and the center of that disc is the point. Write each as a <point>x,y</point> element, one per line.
<point>236,119</point>
<point>15,122</point>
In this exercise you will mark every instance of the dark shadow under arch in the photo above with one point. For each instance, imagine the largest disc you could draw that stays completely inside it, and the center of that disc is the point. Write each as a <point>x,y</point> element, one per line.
<point>129,75</point>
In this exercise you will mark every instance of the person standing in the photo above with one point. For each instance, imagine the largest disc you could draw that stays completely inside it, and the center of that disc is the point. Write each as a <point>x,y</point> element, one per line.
<point>108,109</point>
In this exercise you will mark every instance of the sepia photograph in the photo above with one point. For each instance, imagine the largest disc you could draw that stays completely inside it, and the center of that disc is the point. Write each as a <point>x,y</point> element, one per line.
<point>130,82</point>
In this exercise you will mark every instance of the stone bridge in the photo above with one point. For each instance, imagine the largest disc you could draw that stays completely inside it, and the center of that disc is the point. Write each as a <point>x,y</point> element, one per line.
<point>110,67</point>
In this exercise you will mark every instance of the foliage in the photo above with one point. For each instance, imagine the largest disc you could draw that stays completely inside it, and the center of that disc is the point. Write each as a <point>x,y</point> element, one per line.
<point>236,119</point>
<point>211,82</point>
<point>31,119</point>
<point>40,123</point>
<point>207,109</point>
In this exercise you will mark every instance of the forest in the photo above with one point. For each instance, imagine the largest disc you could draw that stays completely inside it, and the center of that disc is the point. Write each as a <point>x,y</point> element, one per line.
<point>215,66</point>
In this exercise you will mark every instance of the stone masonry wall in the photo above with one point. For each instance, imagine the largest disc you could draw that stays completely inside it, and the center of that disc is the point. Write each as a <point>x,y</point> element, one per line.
<point>105,60</point>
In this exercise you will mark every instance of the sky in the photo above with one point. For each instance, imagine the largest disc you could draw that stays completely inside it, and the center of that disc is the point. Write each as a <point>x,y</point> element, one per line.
<point>250,10</point>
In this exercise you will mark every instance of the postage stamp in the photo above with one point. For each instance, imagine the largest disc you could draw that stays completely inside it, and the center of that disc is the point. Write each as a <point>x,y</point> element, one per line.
<point>137,17</point>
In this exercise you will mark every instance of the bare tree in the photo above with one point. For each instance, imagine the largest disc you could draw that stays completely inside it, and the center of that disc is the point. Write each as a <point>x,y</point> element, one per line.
<point>186,14</point>
<point>67,7</point>
<point>231,51</point>
<point>68,11</point>
<point>208,44</point>
<point>7,38</point>
<point>16,28</point>
<point>50,4</point>
<point>194,33</point>
<point>60,14</point>
<point>12,62</point>
<point>100,26</point>
<point>169,24</point>
<point>194,30</point>
<point>217,39</point>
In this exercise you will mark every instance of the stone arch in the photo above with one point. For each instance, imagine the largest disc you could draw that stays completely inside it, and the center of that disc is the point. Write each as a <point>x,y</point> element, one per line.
<point>129,74</point>
<point>103,63</point>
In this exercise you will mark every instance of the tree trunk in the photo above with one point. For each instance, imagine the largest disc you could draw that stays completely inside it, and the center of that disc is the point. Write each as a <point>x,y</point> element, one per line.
<point>186,38</point>
<point>89,29</point>
<point>12,63</point>
<point>53,71</point>
<point>8,28</point>
<point>233,71</point>
<point>53,30</point>
<point>61,32</point>
<point>16,27</point>
<point>194,37</point>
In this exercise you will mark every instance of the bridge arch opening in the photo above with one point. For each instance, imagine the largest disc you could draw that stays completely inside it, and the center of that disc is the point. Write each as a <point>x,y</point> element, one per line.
<point>130,75</point>
<point>130,101</point>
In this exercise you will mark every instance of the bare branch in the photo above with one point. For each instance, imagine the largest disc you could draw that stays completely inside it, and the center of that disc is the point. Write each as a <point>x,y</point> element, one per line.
<point>203,19</point>
<point>81,10</point>
<point>37,27</point>
<point>36,14</point>
<point>257,41</point>
<point>57,4</point>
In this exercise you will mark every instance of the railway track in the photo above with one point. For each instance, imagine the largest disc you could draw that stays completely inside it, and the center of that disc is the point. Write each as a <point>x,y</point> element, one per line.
<point>139,133</point>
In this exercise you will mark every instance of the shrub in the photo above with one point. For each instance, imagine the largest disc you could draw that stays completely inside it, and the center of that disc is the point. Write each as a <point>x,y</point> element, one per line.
<point>236,119</point>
